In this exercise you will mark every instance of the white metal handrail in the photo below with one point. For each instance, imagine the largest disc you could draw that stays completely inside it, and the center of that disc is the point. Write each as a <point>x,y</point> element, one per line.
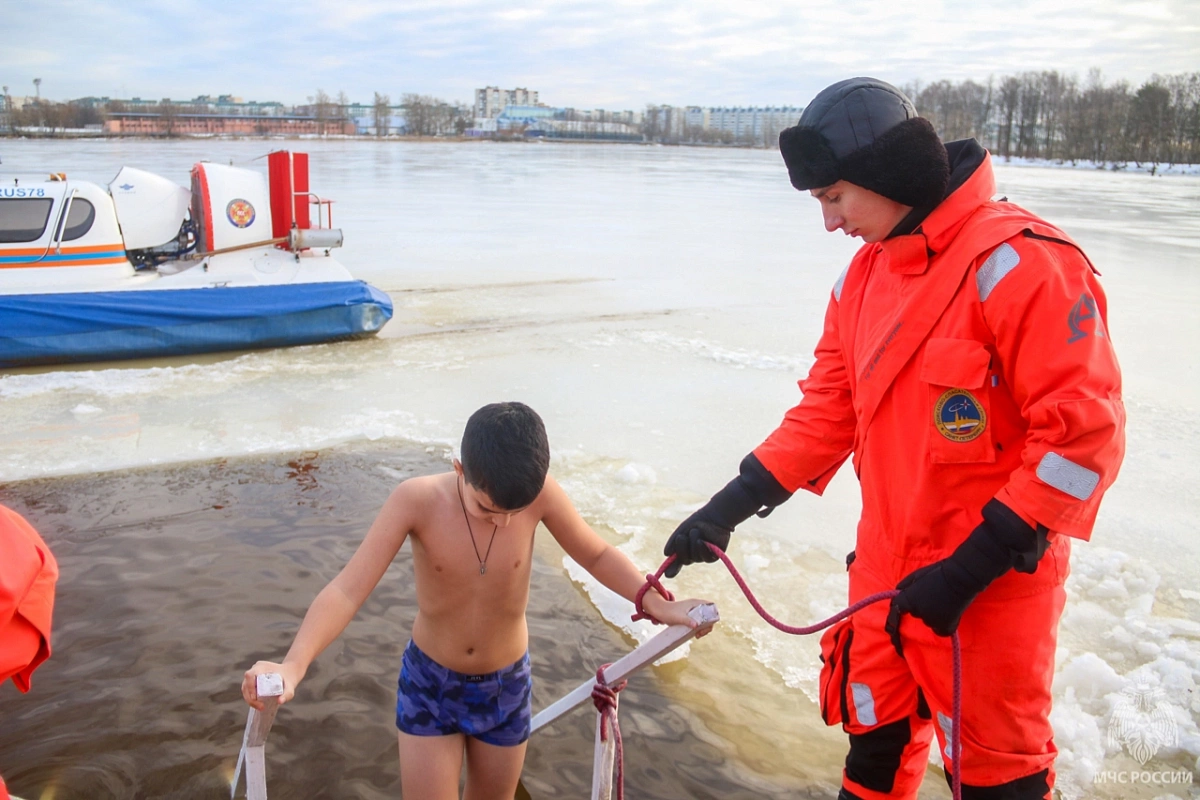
<point>270,687</point>
<point>663,643</point>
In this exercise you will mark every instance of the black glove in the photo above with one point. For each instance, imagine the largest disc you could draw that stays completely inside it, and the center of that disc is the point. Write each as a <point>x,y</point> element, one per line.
<point>753,489</point>
<point>938,594</point>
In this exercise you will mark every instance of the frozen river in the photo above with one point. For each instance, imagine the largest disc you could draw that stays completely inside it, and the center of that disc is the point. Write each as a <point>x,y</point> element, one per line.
<point>657,306</point>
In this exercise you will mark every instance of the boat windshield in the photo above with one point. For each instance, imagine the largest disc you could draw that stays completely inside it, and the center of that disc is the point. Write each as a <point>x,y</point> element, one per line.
<point>79,220</point>
<point>23,219</point>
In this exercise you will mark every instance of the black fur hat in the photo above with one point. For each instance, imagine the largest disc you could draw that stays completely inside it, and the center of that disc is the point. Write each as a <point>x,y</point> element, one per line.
<point>867,132</point>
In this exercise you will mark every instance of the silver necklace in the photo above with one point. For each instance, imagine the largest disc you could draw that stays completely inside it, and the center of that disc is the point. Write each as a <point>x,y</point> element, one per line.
<point>482,561</point>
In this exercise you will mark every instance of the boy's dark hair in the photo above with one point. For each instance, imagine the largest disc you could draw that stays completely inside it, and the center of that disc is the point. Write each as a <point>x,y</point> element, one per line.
<point>505,453</point>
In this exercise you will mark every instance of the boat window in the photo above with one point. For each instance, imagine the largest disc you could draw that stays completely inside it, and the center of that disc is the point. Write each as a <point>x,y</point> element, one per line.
<point>23,219</point>
<point>79,219</point>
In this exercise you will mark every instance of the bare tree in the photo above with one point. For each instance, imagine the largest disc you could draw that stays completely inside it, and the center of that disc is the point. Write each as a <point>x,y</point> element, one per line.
<point>650,123</point>
<point>429,116</point>
<point>343,107</point>
<point>1010,98</point>
<point>322,108</point>
<point>1113,114</point>
<point>1150,123</point>
<point>168,113</point>
<point>1184,136</point>
<point>1053,97</point>
<point>381,110</point>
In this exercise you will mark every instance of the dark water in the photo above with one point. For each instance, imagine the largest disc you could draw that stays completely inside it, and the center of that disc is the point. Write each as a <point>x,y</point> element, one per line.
<point>174,580</point>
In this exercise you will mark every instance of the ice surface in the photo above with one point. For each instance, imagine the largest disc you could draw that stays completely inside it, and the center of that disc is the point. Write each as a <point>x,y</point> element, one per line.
<point>657,306</point>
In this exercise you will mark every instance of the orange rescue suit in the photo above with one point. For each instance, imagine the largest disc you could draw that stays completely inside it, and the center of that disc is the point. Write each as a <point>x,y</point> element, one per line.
<point>28,573</point>
<point>965,361</point>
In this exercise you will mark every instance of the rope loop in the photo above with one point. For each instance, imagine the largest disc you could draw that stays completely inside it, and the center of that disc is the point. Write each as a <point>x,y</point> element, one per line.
<point>604,697</point>
<point>652,581</point>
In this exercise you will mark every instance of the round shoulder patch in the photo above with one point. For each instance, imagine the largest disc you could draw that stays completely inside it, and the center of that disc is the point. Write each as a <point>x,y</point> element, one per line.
<point>959,416</point>
<point>240,213</point>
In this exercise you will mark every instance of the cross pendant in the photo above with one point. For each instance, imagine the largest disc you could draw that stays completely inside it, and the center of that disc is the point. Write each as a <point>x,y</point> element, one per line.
<point>482,567</point>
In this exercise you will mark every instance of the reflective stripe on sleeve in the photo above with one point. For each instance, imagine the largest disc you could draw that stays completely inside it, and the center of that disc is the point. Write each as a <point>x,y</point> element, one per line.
<point>864,703</point>
<point>1067,476</point>
<point>1001,262</point>
<point>947,726</point>
<point>837,287</point>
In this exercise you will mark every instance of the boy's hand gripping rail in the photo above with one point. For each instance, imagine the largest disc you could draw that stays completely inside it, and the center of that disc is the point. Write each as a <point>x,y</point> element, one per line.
<point>254,741</point>
<point>663,642</point>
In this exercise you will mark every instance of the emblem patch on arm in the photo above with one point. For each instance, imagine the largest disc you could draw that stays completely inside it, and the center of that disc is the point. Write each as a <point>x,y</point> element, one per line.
<point>959,416</point>
<point>1083,314</point>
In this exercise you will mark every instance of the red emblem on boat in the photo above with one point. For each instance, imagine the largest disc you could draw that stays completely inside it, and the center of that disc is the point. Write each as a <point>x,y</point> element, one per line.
<point>240,213</point>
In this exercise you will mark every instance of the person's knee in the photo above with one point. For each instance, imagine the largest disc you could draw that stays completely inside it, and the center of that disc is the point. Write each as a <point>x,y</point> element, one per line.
<point>875,756</point>
<point>1030,787</point>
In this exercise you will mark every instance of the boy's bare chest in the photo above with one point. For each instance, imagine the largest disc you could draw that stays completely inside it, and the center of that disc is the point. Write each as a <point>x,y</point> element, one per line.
<point>447,548</point>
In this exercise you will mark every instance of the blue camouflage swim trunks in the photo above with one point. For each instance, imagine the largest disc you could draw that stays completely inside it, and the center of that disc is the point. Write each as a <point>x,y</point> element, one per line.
<point>434,701</point>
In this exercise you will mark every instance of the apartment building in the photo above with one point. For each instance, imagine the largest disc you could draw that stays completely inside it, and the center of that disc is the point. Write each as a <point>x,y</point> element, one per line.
<point>751,124</point>
<point>491,101</point>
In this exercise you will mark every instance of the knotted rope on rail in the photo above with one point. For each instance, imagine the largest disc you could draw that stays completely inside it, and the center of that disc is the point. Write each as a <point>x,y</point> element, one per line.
<point>604,697</point>
<point>653,581</point>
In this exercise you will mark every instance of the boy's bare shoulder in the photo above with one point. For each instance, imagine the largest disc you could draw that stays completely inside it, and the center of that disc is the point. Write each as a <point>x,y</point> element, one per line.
<point>430,488</point>
<point>552,498</point>
<point>421,495</point>
<point>551,490</point>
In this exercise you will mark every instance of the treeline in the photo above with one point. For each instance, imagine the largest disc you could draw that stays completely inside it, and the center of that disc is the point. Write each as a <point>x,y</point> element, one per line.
<point>46,114</point>
<point>1046,114</point>
<point>417,115</point>
<point>1055,116</point>
<point>423,115</point>
<point>429,116</point>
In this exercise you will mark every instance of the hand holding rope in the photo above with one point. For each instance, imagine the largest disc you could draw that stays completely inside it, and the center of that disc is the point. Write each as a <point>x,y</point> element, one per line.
<point>652,581</point>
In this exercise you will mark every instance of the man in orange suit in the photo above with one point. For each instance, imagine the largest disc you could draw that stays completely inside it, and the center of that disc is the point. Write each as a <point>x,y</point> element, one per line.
<point>966,366</point>
<point>28,573</point>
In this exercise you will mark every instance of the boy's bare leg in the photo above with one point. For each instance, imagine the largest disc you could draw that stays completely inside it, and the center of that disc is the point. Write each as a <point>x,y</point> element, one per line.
<point>430,766</point>
<point>492,771</point>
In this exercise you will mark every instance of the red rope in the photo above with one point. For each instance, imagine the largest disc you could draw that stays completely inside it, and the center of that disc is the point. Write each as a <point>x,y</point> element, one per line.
<point>652,581</point>
<point>955,730</point>
<point>608,712</point>
<point>804,631</point>
<point>605,699</point>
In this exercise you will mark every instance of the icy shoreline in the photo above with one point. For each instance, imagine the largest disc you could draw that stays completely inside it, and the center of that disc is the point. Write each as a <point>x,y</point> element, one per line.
<point>1111,166</point>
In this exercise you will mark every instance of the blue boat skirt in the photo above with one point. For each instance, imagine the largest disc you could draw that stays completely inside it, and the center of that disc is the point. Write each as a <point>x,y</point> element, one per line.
<point>102,326</point>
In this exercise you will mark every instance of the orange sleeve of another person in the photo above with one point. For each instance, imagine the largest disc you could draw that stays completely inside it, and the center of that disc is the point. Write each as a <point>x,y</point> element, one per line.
<point>28,573</point>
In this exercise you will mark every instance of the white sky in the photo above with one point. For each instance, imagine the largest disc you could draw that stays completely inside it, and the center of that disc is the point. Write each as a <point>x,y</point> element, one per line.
<point>613,54</point>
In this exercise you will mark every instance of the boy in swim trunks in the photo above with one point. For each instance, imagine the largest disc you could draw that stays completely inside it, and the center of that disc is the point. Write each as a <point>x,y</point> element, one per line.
<point>465,682</point>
